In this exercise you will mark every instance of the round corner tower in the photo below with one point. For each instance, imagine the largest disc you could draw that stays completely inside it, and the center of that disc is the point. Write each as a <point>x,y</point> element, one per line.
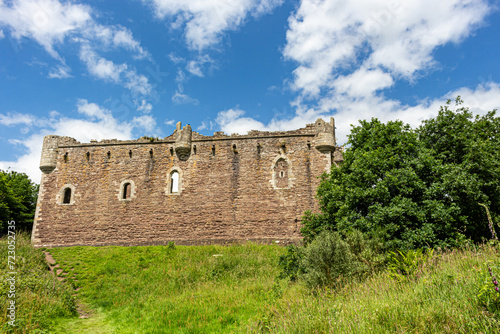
<point>325,135</point>
<point>48,160</point>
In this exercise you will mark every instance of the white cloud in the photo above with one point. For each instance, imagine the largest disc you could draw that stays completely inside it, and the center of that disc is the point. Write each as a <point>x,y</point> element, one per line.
<point>46,21</point>
<point>232,121</point>
<point>480,100</point>
<point>60,72</point>
<point>144,106</point>
<point>2,35</point>
<point>145,122</point>
<point>107,70</point>
<point>97,123</point>
<point>52,23</point>
<point>205,21</point>
<point>195,66</point>
<point>362,82</point>
<point>398,38</point>
<point>180,98</point>
<point>17,119</point>
<point>100,67</point>
<point>115,36</point>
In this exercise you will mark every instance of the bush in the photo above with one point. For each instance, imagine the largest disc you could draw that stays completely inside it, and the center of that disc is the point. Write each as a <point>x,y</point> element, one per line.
<point>290,263</point>
<point>415,188</point>
<point>328,260</point>
<point>368,251</point>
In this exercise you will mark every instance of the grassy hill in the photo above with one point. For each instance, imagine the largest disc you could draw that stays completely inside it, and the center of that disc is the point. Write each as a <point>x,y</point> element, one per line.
<point>233,289</point>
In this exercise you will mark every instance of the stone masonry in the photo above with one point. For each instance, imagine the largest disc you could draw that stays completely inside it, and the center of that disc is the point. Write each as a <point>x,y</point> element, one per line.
<point>187,188</point>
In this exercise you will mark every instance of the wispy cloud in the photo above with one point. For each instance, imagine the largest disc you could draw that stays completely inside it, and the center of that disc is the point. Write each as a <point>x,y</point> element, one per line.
<point>483,98</point>
<point>11,119</point>
<point>96,122</point>
<point>107,70</point>
<point>60,72</point>
<point>205,21</point>
<point>180,98</point>
<point>53,24</point>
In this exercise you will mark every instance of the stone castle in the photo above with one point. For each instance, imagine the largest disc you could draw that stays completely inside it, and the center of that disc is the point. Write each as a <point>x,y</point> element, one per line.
<point>186,188</point>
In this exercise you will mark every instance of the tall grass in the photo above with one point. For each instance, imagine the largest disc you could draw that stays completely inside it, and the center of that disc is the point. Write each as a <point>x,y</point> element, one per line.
<point>443,297</point>
<point>40,298</point>
<point>233,289</point>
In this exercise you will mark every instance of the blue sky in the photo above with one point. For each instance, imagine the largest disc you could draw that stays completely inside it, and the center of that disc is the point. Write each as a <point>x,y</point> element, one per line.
<point>124,69</point>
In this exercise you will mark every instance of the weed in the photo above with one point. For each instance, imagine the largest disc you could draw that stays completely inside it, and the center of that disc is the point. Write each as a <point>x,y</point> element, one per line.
<point>404,266</point>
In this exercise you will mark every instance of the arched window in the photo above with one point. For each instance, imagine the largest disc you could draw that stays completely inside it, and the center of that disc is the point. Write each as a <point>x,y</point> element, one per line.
<point>281,174</point>
<point>126,191</point>
<point>127,188</point>
<point>67,196</point>
<point>174,182</point>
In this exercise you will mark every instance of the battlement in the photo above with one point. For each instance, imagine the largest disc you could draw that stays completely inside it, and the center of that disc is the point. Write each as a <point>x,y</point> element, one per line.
<point>181,188</point>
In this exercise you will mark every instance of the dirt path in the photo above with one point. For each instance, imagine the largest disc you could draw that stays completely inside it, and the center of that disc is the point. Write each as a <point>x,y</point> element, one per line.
<point>82,310</point>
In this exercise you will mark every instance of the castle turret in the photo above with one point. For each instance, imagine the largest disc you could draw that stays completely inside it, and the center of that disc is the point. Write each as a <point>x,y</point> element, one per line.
<point>325,135</point>
<point>183,141</point>
<point>48,161</point>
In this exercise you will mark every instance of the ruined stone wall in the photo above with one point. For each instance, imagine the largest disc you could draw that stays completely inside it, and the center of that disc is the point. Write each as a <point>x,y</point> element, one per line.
<point>252,187</point>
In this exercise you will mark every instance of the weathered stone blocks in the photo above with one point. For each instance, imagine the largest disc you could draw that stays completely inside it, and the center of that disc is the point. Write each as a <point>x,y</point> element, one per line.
<point>229,188</point>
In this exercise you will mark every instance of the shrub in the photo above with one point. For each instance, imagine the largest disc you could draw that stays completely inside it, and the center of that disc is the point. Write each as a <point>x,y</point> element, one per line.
<point>290,262</point>
<point>368,251</point>
<point>328,260</point>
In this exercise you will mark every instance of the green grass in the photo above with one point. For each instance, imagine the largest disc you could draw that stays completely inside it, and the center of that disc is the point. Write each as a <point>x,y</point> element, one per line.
<point>443,297</point>
<point>40,298</point>
<point>183,289</point>
<point>189,290</point>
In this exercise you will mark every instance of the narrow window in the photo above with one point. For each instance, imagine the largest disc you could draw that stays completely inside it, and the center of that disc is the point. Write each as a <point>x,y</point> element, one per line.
<point>234,148</point>
<point>67,196</point>
<point>194,149</point>
<point>130,153</point>
<point>281,176</point>
<point>66,157</point>
<point>174,182</point>
<point>213,149</point>
<point>126,191</point>
<point>258,148</point>
<point>151,153</point>
<point>109,154</point>
<point>308,145</point>
<point>172,151</point>
<point>88,156</point>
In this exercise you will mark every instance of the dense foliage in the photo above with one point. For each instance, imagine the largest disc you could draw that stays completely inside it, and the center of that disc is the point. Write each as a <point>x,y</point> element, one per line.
<point>415,188</point>
<point>18,196</point>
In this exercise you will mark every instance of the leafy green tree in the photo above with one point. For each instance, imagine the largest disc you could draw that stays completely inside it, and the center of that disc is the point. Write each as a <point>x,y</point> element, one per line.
<point>414,187</point>
<point>18,196</point>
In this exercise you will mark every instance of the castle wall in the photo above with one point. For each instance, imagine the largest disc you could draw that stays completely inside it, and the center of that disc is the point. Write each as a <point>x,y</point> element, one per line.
<point>253,187</point>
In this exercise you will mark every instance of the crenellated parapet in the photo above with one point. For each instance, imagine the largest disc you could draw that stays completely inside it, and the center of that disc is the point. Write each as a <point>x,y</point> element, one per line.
<point>325,135</point>
<point>183,141</point>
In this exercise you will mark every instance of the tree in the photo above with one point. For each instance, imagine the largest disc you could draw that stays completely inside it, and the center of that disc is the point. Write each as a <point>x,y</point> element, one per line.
<point>18,197</point>
<point>414,187</point>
